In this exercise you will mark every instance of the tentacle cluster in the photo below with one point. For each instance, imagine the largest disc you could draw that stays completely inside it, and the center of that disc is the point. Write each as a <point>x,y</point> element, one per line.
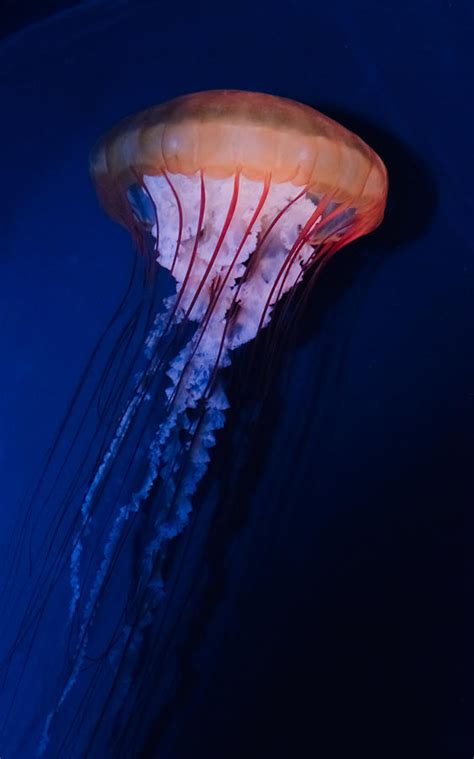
<point>234,247</point>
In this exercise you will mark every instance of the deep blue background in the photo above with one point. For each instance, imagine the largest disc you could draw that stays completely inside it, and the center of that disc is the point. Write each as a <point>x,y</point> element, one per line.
<point>329,608</point>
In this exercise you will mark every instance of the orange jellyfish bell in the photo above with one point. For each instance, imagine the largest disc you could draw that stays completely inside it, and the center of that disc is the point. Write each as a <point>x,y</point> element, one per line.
<point>223,132</point>
<point>228,178</point>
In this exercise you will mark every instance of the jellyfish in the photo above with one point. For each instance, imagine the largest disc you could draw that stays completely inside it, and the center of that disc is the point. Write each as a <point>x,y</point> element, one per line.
<point>238,200</point>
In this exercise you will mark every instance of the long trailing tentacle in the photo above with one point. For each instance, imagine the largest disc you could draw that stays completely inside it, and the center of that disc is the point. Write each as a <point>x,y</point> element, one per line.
<point>234,251</point>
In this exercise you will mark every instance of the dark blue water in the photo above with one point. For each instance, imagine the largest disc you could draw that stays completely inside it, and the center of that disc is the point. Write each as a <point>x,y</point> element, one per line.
<point>323,596</point>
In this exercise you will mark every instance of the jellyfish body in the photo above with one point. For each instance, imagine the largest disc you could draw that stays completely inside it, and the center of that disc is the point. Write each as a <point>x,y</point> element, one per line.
<point>243,196</point>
